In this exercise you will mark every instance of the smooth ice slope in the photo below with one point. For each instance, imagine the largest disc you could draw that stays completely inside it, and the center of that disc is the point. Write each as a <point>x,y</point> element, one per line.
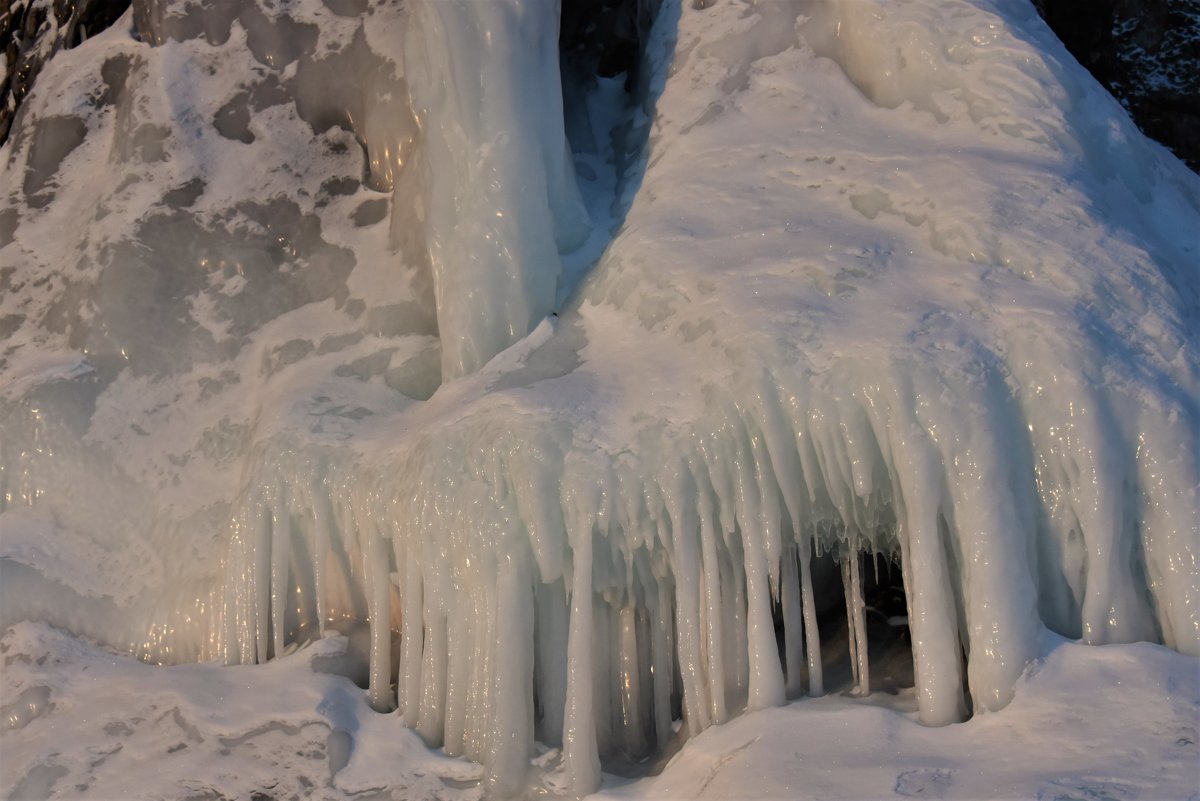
<point>899,279</point>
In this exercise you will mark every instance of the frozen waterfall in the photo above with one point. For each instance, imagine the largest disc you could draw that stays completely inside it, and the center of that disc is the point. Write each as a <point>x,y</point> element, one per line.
<point>608,359</point>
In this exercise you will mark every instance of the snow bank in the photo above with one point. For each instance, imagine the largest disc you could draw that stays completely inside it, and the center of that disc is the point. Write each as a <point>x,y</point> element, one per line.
<point>80,722</point>
<point>898,279</point>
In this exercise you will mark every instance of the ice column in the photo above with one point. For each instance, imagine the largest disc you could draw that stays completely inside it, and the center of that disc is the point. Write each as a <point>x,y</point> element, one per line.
<point>501,193</point>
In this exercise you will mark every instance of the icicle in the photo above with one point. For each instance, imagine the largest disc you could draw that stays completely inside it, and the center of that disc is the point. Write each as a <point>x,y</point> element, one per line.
<point>932,618</point>
<point>319,503</point>
<point>553,626</point>
<point>379,692</point>
<point>683,527</point>
<point>712,611</point>
<point>479,688</point>
<point>733,620</point>
<point>579,729</point>
<point>851,631</point>
<point>458,678</point>
<point>662,663</point>
<point>856,618</point>
<point>262,583</point>
<point>1000,604</point>
<point>512,697</point>
<point>643,612</point>
<point>816,684</point>
<point>766,677</point>
<point>408,680</point>
<point>608,711</point>
<point>793,633</point>
<point>630,677</point>
<point>281,542</point>
<point>431,721</point>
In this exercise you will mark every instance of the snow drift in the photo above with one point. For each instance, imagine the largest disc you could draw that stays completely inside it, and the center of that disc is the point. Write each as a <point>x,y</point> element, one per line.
<point>885,278</point>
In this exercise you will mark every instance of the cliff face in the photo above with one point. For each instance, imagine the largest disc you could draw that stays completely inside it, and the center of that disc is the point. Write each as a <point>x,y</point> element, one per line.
<point>1147,53</point>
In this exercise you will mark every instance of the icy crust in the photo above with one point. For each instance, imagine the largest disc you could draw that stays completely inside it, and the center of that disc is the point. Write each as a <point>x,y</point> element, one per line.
<point>898,280</point>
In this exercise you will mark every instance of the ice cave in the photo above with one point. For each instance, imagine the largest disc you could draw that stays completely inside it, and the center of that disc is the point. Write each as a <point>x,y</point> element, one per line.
<point>596,372</point>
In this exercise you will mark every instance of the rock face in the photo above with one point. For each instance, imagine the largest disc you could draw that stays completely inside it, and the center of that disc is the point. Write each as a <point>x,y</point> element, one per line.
<point>1147,53</point>
<point>32,31</point>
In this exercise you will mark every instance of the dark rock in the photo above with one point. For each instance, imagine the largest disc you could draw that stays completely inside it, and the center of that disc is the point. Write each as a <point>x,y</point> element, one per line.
<point>30,38</point>
<point>1147,53</point>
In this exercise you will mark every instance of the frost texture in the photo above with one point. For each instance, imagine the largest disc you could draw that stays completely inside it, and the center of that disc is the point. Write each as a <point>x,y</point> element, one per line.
<point>899,279</point>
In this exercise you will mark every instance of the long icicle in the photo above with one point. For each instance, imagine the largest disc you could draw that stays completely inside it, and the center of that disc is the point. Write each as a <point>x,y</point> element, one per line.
<point>512,726</point>
<point>816,682</point>
<point>579,728</point>
<point>860,623</point>
<point>379,693</point>
<point>412,641</point>
<point>793,621</point>
<point>319,502</point>
<point>262,584</point>
<point>281,544</point>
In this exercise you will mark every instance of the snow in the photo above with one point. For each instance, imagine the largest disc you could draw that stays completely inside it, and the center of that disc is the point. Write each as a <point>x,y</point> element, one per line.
<point>1086,723</point>
<point>290,352</point>
<point>1047,744</point>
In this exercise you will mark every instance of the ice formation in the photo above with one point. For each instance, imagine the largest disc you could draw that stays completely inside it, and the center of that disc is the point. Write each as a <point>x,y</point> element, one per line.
<point>277,289</point>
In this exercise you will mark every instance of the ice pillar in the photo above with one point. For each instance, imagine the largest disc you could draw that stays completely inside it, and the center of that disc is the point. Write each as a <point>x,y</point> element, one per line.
<point>502,202</point>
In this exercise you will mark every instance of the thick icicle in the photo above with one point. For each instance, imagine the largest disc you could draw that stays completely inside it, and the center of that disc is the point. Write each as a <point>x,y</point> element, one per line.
<point>512,728</point>
<point>379,693</point>
<point>712,613</point>
<point>662,663</point>
<point>856,619</point>
<point>793,621</point>
<point>931,614</point>
<point>262,584</point>
<point>486,91</point>
<point>553,628</point>
<point>281,544</point>
<point>629,678</point>
<point>431,721</point>
<point>579,727</point>
<point>412,657</point>
<point>816,683</point>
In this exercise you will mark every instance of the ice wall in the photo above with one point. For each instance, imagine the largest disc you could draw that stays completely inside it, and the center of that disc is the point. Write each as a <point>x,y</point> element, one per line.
<point>946,313</point>
<point>502,199</point>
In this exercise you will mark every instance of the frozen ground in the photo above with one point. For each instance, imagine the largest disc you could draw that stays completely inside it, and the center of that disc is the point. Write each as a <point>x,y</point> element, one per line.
<point>1111,723</point>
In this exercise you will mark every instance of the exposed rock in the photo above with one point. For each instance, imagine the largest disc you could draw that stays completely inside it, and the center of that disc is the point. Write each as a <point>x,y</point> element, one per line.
<point>1147,53</point>
<point>32,31</point>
